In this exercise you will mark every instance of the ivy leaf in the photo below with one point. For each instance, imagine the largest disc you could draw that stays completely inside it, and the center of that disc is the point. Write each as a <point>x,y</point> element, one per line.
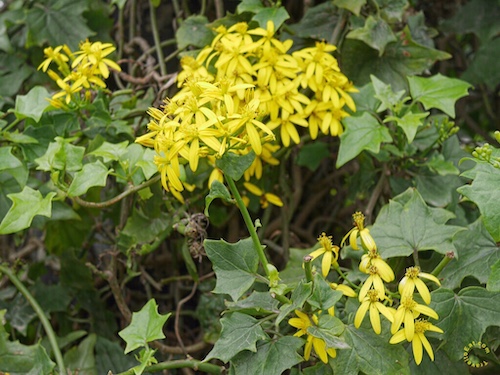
<point>370,353</point>
<point>146,325</point>
<point>323,296</point>
<point>17,358</point>
<point>312,154</point>
<point>318,22</point>
<point>26,205</point>
<point>328,329</point>
<point>385,94</point>
<point>273,357</point>
<point>477,252</point>
<point>235,165</point>
<point>438,92</point>
<point>58,22</point>
<point>410,123</point>
<point>465,316</point>
<point>80,359</point>
<point>239,332</point>
<point>194,32</point>
<point>482,68</point>
<point>257,303</point>
<point>441,365</point>
<point>362,133</point>
<point>299,296</point>
<point>376,33</point>
<point>110,151</point>
<point>13,166</point>
<point>404,227</point>
<point>277,15</point>
<point>32,104</point>
<point>354,6</point>
<point>61,155</point>
<point>483,193</point>
<point>494,279</point>
<point>252,6</point>
<point>92,174</point>
<point>235,265</point>
<point>217,190</point>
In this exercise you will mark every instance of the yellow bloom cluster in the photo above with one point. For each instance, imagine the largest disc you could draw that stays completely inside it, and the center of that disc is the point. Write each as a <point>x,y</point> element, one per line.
<point>78,72</point>
<point>373,293</point>
<point>236,94</point>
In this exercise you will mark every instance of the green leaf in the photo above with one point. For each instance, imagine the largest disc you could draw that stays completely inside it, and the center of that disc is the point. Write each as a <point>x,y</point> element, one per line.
<point>323,296</point>
<point>318,22</point>
<point>92,174</point>
<point>401,58</point>
<point>12,165</point>
<point>383,92</point>
<point>110,151</point>
<point>312,154</point>
<point>441,365</point>
<point>477,252</point>
<point>273,357</point>
<point>194,32</point>
<point>370,353</point>
<point>32,104</point>
<point>217,190</point>
<point>354,6</point>
<point>494,278</point>
<point>465,316</point>
<point>486,196</point>
<point>482,68</point>
<point>147,164</point>
<point>410,123</point>
<point>239,332</point>
<point>144,226</point>
<point>109,357</point>
<point>392,10</point>
<point>404,227</point>
<point>365,99</point>
<point>362,133</point>
<point>16,358</point>
<point>252,6</point>
<point>235,165</point>
<point>61,155</point>
<point>299,296</point>
<point>376,33</point>
<point>328,329</point>
<point>146,325</point>
<point>257,303</point>
<point>80,359</point>
<point>235,265</point>
<point>438,92</point>
<point>277,15</point>
<point>57,22</point>
<point>25,206</point>
<point>439,165</point>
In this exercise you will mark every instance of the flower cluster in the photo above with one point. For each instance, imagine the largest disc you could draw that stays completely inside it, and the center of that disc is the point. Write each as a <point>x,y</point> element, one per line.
<point>243,93</point>
<point>78,72</point>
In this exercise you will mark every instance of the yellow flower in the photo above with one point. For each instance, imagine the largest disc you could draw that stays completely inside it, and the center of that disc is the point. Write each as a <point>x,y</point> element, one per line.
<point>94,54</point>
<point>374,279</point>
<point>266,156</point>
<point>345,289</point>
<point>419,339</point>
<point>265,198</point>
<point>372,260</point>
<point>407,312</point>
<point>359,230</point>
<point>411,280</point>
<point>302,323</point>
<point>267,40</point>
<point>67,90</point>
<point>315,60</point>
<point>287,123</point>
<point>53,55</point>
<point>329,251</point>
<point>372,302</point>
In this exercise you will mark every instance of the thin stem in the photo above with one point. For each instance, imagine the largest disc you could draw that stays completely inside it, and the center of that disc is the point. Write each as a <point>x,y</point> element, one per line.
<point>183,363</point>
<point>343,275</point>
<point>248,223</point>
<point>41,315</point>
<point>118,198</point>
<point>447,259</point>
<point>156,37</point>
<point>12,124</point>
<point>308,268</point>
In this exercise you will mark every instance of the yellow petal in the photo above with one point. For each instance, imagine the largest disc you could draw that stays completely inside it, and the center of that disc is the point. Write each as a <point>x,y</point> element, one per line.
<point>320,349</point>
<point>417,349</point>
<point>428,276</point>
<point>360,314</point>
<point>375,319</point>
<point>423,290</point>
<point>398,337</point>
<point>326,263</point>
<point>426,344</point>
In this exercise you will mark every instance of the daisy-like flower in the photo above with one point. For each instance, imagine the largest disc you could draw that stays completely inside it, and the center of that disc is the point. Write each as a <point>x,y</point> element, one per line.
<point>374,280</point>
<point>266,156</point>
<point>406,313</point>
<point>345,289</point>
<point>265,198</point>
<point>373,259</point>
<point>302,323</point>
<point>360,231</point>
<point>419,339</point>
<point>95,54</point>
<point>53,55</point>
<point>372,302</point>
<point>67,90</point>
<point>329,251</point>
<point>412,279</point>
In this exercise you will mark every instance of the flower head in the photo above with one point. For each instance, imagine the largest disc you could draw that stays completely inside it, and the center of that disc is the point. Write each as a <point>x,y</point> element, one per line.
<point>329,251</point>
<point>412,279</point>
<point>371,302</point>
<point>419,339</point>
<point>360,231</point>
<point>407,312</point>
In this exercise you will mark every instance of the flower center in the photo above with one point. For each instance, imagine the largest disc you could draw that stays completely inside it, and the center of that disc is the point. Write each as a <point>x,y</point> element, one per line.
<point>412,272</point>
<point>373,295</point>
<point>421,326</point>
<point>325,242</point>
<point>408,303</point>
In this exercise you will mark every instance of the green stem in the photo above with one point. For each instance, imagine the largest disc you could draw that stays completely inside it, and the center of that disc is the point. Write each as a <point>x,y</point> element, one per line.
<point>12,124</point>
<point>308,268</point>
<point>41,315</point>
<point>183,363</point>
<point>248,223</point>
<point>342,274</point>
<point>156,37</point>
<point>447,259</point>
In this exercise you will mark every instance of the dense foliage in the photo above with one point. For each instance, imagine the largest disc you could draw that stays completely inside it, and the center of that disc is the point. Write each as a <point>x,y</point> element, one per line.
<point>250,187</point>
